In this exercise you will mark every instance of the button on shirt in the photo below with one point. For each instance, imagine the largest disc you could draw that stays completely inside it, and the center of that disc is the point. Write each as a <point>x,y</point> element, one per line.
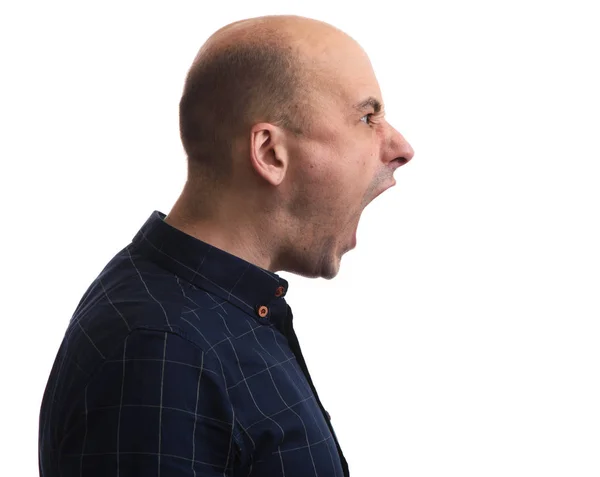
<point>181,360</point>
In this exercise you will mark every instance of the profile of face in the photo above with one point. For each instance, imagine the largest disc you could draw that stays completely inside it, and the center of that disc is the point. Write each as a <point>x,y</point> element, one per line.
<point>337,167</point>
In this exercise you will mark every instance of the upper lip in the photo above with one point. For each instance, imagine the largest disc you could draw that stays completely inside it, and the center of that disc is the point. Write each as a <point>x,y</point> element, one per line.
<point>383,190</point>
<point>395,164</point>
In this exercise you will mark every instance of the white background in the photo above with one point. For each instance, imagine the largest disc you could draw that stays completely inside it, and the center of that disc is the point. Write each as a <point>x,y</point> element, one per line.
<point>462,335</point>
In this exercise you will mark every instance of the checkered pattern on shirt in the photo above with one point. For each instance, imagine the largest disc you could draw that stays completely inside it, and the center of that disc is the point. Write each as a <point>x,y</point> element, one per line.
<point>156,404</point>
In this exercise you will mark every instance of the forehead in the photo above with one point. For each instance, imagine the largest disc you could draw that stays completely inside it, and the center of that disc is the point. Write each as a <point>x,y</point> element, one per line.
<point>343,73</point>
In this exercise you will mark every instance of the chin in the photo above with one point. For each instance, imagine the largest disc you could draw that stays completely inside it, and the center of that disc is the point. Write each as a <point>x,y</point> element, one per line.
<point>327,267</point>
<point>327,272</point>
<point>330,268</point>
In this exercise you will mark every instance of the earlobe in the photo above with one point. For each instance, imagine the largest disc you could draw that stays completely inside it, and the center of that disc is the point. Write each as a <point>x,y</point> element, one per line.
<point>268,153</point>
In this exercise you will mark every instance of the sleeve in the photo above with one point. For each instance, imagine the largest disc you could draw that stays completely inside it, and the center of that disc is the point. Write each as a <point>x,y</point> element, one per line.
<point>158,407</point>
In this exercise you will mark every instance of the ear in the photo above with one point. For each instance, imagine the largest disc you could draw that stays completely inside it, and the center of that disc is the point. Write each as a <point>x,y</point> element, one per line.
<point>268,153</point>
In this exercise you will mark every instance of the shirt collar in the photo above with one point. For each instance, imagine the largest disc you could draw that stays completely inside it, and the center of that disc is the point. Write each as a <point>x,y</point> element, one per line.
<point>253,289</point>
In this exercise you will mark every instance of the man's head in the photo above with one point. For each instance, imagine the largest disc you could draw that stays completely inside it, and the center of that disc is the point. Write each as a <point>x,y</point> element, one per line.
<point>282,121</point>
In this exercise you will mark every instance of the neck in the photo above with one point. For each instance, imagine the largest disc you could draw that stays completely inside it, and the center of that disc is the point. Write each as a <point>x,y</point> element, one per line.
<point>233,226</point>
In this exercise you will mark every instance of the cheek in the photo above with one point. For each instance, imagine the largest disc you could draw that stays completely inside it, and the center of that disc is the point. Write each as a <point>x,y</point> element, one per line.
<point>332,195</point>
<point>345,185</point>
<point>334,180</point>
<point>315,193</point>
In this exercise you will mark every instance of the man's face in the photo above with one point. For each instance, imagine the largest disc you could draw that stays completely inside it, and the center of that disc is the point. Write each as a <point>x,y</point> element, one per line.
<point>346,158</point>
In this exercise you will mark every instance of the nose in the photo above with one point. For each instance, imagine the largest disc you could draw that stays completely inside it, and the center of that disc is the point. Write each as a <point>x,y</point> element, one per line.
<point>397,148</point>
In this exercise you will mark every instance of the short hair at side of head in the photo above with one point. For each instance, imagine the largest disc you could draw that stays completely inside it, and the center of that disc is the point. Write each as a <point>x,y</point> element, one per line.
<point>229,88</point>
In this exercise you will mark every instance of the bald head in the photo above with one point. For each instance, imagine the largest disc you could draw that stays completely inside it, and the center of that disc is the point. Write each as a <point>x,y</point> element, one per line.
<point>258,70</point>
<point>284,125</point>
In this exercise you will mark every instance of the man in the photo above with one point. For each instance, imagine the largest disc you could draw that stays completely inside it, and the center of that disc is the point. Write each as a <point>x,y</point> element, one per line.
<point>181,358</point>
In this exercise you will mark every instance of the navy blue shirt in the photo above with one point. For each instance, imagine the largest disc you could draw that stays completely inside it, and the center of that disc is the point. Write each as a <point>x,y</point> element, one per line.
<point>181,360</point>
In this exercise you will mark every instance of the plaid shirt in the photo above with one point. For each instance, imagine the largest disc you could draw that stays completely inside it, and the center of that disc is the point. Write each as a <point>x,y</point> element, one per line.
<point>181,360</point>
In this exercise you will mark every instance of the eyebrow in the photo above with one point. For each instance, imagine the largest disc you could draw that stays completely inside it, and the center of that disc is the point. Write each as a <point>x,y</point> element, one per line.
<point>370,102</point>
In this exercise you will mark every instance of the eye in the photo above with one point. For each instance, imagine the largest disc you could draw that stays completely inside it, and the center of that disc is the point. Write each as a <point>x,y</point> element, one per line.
<point>368,116</point>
